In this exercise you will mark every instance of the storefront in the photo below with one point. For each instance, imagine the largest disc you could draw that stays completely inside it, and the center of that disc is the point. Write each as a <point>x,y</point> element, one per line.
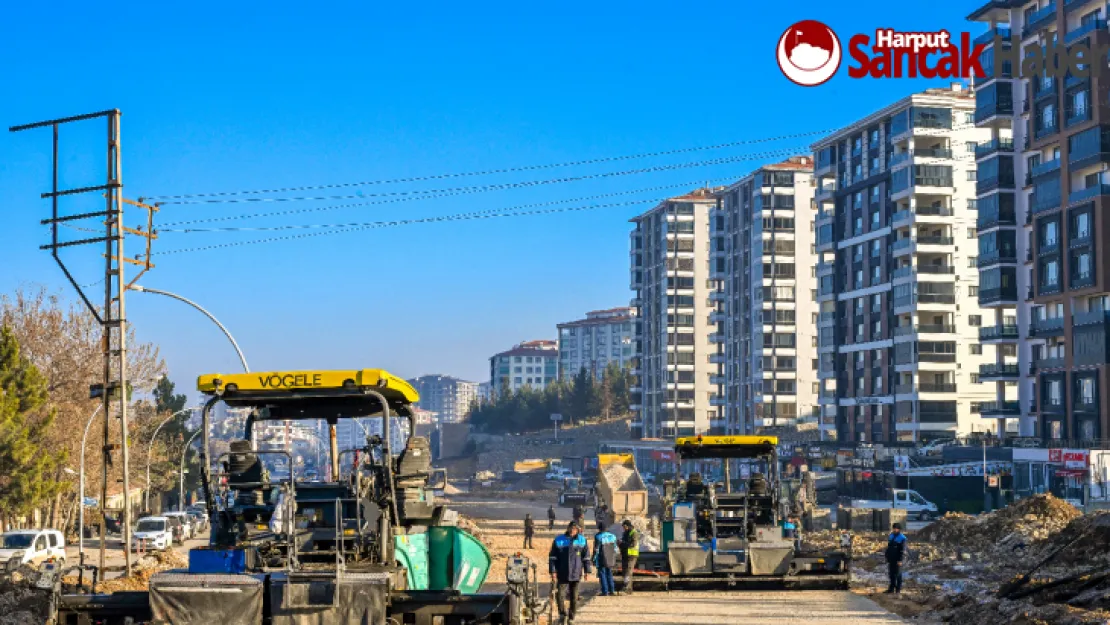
<point>1078,475</point>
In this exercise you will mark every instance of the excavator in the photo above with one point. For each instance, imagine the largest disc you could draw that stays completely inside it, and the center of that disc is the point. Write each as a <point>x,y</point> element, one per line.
<point>371,546</point>
<point>715,533</point>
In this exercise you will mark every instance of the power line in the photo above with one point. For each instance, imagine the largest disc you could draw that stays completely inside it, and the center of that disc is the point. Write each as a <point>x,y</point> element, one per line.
<point>488,172</point>
<point>442,193</point>
<point>511,208</point>
<point>500,186</point>
<point>406,222</point>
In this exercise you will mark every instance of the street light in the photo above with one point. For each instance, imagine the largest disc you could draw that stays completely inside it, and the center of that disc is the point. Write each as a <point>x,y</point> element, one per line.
<point>81,491</point>
<point>242,358</point>
<point>150,451</point>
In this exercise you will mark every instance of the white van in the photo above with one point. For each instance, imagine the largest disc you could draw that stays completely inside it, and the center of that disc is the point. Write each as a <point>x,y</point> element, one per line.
<point>152,533</point>
<point>32,547</point>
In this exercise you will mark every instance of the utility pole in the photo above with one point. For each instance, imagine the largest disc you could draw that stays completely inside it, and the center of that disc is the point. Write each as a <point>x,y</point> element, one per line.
<point>112,317</point>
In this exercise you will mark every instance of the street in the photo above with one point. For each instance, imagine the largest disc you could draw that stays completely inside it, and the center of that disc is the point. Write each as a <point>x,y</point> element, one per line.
<point>114,561</point>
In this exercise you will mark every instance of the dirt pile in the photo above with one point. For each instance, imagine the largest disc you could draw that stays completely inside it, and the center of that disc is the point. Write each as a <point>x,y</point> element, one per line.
<point>146,568</point>
<point>21,603</point>
<point>1014,527</point>
<point>620,477</point>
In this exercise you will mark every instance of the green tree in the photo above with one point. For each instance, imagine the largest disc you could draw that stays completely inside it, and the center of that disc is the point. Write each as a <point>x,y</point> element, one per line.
<point>28,474</point>
<point>165,401</point>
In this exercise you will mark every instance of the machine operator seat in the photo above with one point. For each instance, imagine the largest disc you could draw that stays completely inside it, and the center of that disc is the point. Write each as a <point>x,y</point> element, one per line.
<point>245,467</point>
<point>695,487</point>
<point>757,485</point>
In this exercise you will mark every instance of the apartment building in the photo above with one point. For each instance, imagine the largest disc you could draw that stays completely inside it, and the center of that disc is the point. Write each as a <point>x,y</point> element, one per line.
<point>899,353</point>
<point>532,363</point>
<point>764,266</point>
<point>450,398</point>
<point>674,338</point>
<point>1041,219</point>
<point>603,337</point>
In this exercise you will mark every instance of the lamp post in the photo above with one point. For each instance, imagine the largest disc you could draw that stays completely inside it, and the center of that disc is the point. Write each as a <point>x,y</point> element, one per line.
<point>81,490</point>
<point>150,451</point>
<point>242,358</point>
<point>181,480</point>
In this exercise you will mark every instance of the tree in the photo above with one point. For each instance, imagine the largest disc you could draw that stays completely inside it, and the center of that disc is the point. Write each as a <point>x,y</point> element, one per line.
<point>165,401</point>
<point>27,470</point>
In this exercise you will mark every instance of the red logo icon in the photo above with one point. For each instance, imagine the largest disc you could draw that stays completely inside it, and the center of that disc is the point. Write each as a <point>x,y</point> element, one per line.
<point>809,53</point>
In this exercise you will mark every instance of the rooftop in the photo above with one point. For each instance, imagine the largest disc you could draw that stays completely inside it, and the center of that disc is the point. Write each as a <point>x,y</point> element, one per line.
<point>544,348</point>
<point>955,93</point>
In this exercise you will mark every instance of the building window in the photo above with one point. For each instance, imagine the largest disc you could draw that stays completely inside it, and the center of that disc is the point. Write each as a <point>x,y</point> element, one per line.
<point>973,291</point>
<point>975,320</point>
<point>975,349</point>
<point>970,146</point>
<point>972,232</point>
<point>974,378</point>
<point>972,261</point>
<point>972,175</point>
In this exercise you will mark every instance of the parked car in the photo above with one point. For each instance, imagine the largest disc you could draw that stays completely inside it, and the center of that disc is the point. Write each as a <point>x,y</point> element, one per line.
<point>199,520</point>
<point>177,530</point>
<point>153,532</point>
<point>188,530</point>
<point>909,500</point>
<point>32,547</point>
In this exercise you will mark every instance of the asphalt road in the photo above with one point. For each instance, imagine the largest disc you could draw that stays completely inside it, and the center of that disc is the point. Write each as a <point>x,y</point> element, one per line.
<point>114,560</point>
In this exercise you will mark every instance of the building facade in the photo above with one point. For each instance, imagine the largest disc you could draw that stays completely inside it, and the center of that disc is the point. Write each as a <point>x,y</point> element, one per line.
<point>673,335</point>
<point>450,398</point>
<point>532,363</point>
<point>603,337</point>
<point>899,353</point>
<point>763,264</point>
<point>1043,192</point>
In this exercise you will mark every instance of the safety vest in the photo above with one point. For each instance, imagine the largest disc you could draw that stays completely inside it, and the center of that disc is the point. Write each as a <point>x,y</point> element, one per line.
<point>633,543</point>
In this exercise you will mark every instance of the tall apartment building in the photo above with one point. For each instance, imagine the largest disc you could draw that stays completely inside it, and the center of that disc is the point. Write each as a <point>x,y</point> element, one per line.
<point>1043,189</point>
<point>764,267</point>
<point>899,353</point>
<point>448,397</point>
<point>531,363</point>
<point>674,337</point>
<point>603,337</point>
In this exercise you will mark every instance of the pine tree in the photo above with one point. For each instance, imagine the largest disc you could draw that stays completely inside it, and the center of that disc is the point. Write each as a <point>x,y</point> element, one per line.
<point>27,473</point>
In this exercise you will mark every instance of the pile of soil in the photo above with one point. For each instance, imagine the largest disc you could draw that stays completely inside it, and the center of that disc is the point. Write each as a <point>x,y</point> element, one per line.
<point>1016,526</point>
<point>20,602</point>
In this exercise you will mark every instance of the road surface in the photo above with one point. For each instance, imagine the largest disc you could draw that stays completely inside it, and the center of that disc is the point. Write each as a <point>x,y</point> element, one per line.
<point>114,562</point>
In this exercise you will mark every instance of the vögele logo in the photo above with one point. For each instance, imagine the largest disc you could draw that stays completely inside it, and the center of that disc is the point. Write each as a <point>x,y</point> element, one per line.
<point>809,53</point>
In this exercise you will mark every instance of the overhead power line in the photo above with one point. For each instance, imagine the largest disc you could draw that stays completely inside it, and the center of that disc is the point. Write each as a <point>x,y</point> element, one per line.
<point>167,199</point>
<point>442,193</point>
<point>406,222</point>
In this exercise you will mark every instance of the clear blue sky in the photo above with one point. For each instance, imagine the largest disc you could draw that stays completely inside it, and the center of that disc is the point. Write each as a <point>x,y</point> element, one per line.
<point>218,96</point>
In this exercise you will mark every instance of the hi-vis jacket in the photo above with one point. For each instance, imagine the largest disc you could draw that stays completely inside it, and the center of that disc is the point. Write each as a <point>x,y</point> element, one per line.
<point>606,552</point>
<point>569,558</point>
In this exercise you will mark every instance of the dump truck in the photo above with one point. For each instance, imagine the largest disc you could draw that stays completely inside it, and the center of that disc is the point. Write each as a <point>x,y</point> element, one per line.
<point>372,546</point>
<point>620,487</point>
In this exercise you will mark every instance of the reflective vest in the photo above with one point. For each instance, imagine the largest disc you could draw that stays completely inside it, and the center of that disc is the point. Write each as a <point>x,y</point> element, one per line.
<point>630,542</point>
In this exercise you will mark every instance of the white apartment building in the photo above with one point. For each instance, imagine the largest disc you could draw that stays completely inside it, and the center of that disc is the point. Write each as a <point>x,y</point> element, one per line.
<point>899,352</point>
<point>603,337</point>
<point>673,335</point>
<point>532,363</point>
<point>764,265</point>
<point>449,397</point>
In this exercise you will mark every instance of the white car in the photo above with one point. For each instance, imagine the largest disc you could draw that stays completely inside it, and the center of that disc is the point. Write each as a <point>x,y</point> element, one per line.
<point>152,533</point>
<point>32,547</point>
<point>559,474</point>
<point>187,527</point>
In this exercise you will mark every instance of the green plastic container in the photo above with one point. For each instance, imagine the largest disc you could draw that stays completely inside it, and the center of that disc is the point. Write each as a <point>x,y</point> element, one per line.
<point>412,552</point>
<point>456,560</point>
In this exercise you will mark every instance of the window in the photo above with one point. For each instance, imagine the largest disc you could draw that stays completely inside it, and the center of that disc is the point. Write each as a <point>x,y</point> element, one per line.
<point>1053,395</point>
<point>973,291</point>
<point>517,380</point>
<point>970,147</point>
<point>972,175</point>
<point>969,118</point>
<point>974,378</point>
<point>975,320</point>
<point>972,261</point>
<point>975,349</point>
<point>1082,225</point>
<point>972,232</point>
<point>876,247</point>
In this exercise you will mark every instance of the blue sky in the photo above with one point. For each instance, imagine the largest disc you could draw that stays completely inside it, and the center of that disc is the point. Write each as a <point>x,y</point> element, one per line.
<point>221,97</point>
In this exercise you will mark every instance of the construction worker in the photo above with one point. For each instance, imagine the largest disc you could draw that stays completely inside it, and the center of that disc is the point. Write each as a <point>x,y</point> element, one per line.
<point>551,517</point>
<point>529,530</point>
<point>605,559</point>
<point>895,554</point>
<point>568,563</point>
<point>630,551</point>
<point>579,514</point>
<point>601,516</point>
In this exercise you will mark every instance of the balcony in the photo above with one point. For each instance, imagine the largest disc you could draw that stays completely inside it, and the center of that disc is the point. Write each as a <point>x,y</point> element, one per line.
<point>899,159</point>
<point>998,372</point>
<point>995,108</point>
<point>1046,167</point>
<point>1050,363</point>
<point>1000,409</point>
<point>1039,19</point>
<point>1090,193</point>
<point>1071,5</point>
<point>1051,326</point>
<point>936,387</point>
<point>902,245</point>
<point>1089,147</point>
<point>1083,30</point>
<point>994,146</point>
<point>988,37</point>
<point>924,328</point>
<point>997,296</point>
<point>986,185</point>
<point>933,240</point>
<point>933,153</point>
<point>997,257</point>
<point>1081,281</point>
<point>1042,204</point>
<point>1091,318</point>
<point>824,269</point>
<point>1077,116</point>
<point>1006,332</point>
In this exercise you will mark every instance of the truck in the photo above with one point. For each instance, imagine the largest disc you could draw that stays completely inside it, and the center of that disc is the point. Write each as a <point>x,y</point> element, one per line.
<point>909,500</point>
<point>620,486</point>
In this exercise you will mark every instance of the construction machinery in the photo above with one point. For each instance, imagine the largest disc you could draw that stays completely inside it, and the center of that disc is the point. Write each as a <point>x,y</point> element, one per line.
<point>572,494</point>
<point>369,547</point>
<point>714,532</point>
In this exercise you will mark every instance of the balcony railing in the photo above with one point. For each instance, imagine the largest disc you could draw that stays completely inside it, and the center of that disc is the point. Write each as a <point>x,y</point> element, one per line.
<point>936,387</point>
<point>1000,144</point>
<point>1091,192</point>
<point>1000,409</point>
<point>1084,30</point>
<point>987,110</point>
<point>933,240</point>
<point>998,371</point>
<point>933,152</point>
<point>933,211</point>
<point>1045,203</point>
<point>1038,20</point>
<point>988,297</point>
<point>995,257</point>
<point>988,37</point>
<point>1045,167</point>
<point>1091,318</point>
<point>1046,327</point>
<point>994,333</point>
<point>1046,130</point>
<point>902,244</point>
<point>936,269</point>
<point>1050,363</point>
<point>1076,116</point>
